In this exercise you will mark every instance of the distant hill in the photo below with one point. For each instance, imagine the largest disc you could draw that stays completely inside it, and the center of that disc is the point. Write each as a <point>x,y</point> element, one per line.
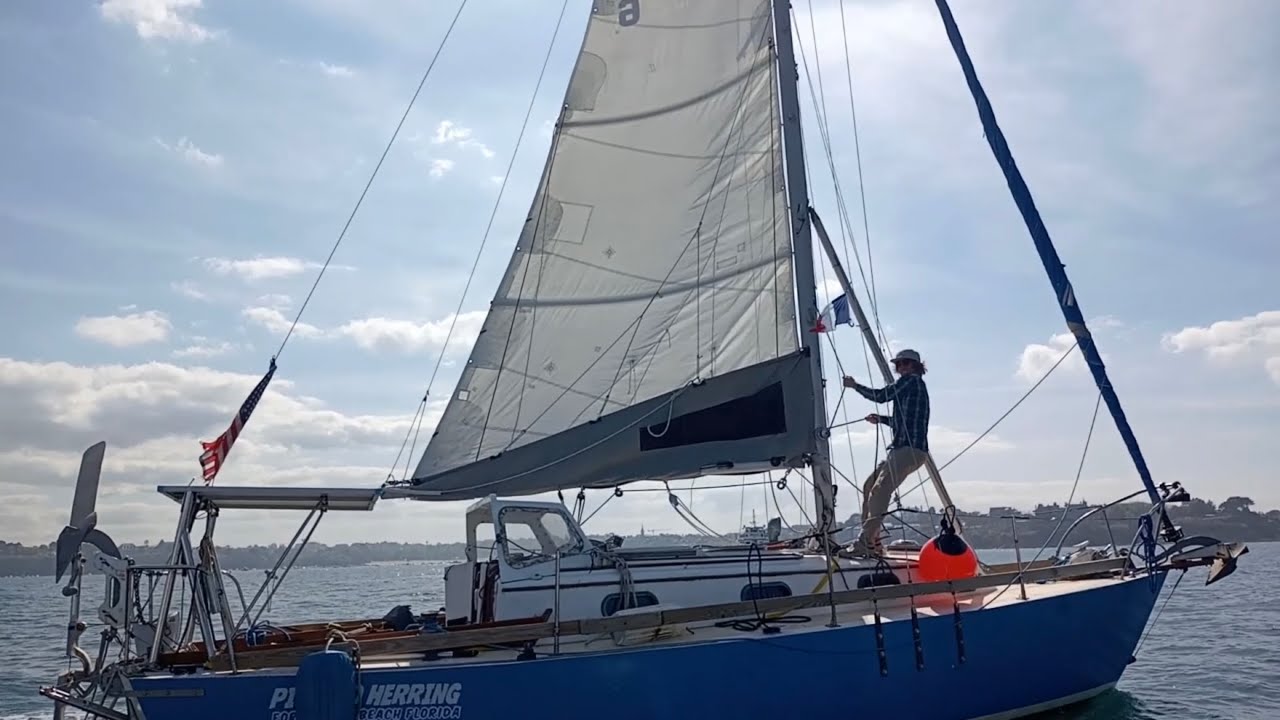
<point>1232,520</point>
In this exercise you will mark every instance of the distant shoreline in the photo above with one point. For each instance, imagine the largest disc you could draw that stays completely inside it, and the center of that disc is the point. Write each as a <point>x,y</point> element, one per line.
<point>1232,520</point>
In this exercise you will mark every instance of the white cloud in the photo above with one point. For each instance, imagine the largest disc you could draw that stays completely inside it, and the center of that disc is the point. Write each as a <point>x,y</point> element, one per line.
<point>335,70</point>
<point>949,441</point>
<point>152,416</point>
<point>374,333</point>
<point>188,289</point>
<point>383,333</point>
<point>275,322</point>
<point>1273,369</point>
<point>440,166</point>
<point>204,349</point>
<point>944,441</point>
<point>259,268</point>
<point>275,300</point>
<point>192,154</point>
<point>497,179</point>
<point>1249,339</point>
<point>448,133</point>
<point>162,19</point>
<point>131,404</point>
<point>1036,358</point>
<point>125,330</point>
<point>829,289</point>
<point>1228,339</point>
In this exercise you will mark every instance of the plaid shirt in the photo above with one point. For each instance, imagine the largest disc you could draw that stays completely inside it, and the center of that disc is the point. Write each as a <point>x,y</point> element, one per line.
<point>910,419</point>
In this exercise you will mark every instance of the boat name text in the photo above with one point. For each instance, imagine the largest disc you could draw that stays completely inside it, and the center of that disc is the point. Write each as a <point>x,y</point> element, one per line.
<point>389,701</point>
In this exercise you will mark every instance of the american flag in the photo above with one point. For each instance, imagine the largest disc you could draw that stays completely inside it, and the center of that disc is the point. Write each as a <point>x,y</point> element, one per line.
<point>215,453</point>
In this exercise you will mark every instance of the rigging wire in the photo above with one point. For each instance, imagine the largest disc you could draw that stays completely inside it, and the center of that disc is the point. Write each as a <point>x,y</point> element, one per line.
<point>1006,414</point>
<point>824,133</point>
<point>372,176</point>
<point>857,152</point>
<point>845,226</point>
<point>415,426</point>
<point>840,407</point>
<point>1151,625</point>
<point>1070,497</point>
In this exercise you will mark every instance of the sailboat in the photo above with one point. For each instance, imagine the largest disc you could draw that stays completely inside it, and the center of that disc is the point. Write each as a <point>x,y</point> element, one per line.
<point>655,323</point>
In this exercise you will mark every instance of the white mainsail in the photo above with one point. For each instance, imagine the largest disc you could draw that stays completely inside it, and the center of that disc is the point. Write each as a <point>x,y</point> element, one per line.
<point>656,254</point>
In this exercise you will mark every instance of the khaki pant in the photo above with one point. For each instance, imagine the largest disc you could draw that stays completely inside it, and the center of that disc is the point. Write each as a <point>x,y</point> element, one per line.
<point>878,491</point>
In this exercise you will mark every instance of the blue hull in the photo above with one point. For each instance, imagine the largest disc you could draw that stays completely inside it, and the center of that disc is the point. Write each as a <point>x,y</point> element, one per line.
<point>1017,657</point>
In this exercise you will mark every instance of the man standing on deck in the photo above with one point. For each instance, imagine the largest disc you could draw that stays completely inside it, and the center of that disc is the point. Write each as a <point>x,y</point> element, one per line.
<point>908,450</point>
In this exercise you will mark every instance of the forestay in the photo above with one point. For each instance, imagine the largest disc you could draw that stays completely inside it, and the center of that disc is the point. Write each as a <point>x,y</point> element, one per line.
<point>654,262</point>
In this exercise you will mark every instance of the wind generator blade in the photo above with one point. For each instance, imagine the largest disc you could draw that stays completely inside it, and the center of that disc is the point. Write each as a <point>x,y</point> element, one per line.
<point>83,505</point>
<point>86,497</point>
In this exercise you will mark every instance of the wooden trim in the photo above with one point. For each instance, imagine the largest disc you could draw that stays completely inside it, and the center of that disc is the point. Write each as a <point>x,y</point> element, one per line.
<point>463,639</point>
<point>1013,566</point>
<point>248,658</point>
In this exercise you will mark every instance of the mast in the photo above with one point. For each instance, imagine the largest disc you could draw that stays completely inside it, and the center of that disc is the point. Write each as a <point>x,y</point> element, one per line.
<point>802,245</point>
<point>881,361</point>
<point>1053,265</point>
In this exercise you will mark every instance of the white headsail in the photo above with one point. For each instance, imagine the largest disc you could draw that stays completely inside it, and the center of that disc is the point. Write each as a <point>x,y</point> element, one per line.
<point>653,276</point>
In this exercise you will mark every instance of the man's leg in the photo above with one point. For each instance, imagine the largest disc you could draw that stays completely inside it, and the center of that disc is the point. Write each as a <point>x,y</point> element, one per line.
<point>897,465</point>
<point>867,485</point>
<point>872,514</point>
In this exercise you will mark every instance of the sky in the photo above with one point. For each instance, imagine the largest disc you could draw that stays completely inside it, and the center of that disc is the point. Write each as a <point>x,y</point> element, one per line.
<point>176,172</point>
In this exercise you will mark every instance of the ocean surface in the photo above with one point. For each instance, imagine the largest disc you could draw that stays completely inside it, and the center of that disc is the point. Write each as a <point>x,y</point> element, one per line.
<point>1212,654</point>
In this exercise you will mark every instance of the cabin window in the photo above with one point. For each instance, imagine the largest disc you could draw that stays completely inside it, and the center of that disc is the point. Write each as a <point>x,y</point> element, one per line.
<point>484,542</point>
<point>640,598</point>
<point>764,591</point>
<point>535,535</point>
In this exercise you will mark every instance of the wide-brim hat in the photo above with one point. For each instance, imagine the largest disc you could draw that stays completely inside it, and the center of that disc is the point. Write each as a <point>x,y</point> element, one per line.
<point>907,355</point>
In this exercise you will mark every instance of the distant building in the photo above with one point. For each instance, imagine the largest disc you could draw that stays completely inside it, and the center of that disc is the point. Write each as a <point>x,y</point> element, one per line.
<point>1002,511</point>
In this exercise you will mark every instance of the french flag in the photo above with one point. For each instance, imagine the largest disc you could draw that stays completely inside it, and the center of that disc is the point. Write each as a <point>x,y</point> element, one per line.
<point>835,313</point>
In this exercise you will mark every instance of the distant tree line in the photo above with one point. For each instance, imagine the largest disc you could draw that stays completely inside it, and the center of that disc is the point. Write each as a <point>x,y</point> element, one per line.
<point>1231,520</point>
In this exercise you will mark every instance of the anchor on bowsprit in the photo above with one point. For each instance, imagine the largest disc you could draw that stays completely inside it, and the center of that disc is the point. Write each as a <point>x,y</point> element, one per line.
<point>1225,563</point>
<point>1200,550</point>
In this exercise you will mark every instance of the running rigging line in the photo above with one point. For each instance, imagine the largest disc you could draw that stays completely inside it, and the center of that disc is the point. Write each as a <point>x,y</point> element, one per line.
<point>845,226</point>
<point>396,133</point>
<point>857,153</point>
<point>820,110</point>
<point>841,206</point>
<point>1070,498</point>
<point>415,426</point>
<point>819,104</point>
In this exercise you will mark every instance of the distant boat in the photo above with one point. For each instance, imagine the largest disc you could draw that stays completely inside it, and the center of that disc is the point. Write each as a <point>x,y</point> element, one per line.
<point>658,320</point>
<point>753,534</point>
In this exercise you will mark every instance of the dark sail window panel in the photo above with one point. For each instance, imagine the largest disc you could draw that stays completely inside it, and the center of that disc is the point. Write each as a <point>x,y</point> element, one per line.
<point>757,415</point>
